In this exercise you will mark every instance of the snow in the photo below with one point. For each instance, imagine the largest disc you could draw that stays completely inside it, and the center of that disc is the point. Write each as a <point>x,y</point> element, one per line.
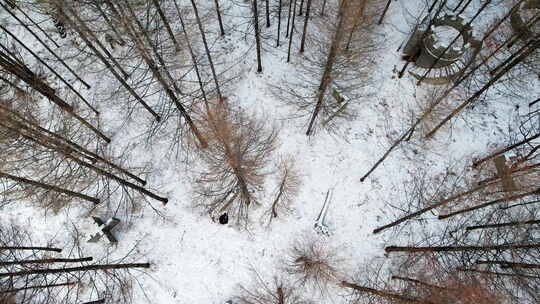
<point>197,261</point>
<point>444,35</point>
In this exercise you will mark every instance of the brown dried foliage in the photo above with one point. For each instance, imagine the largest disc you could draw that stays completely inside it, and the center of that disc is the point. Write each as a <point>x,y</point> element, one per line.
<point>314,264</point>
<point>239,148</point>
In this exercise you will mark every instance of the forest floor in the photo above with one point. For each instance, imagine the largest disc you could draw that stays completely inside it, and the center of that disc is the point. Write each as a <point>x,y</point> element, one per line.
<point>198,261</point>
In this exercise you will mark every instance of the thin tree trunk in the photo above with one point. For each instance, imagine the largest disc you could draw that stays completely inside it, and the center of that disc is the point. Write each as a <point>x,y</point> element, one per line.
<point>23,73</point>
<point>497,273</point>
<point>505,264</point>
<point>418,282</point>
<point>384,12</point>
<point>81,28</point>
<point>279,23</point>
<point>504,150</point>
<point>289,17</point>
<point>534,44</point>
<point>30,248</point>
<point>37,25</point>
<point>192,54</point>
<point>46,261</point>
<point>383,293</point>
<point>46,46</point>
<point>201,29</point>
<point>359,18</point>
<point>431,207</point>
<point>426,113</point>
<point>491,203</point>
<point>51,69</point>
<point>451,44</point>
<point>464,7</point>
<point>101,301</point>
<point>257,35</point>
<point>110,24</point>
<point>167,25</point>
<point>304,34</point>
<point>48,187</point>
<point>301,8</point>
<point>459,5</point>
<point>166,87</point>
<point>221,29</point>
<point>499,225</point>
<point>329,66</point>
<point>323,7</point>
<point>460,248</point>
<point>534,102</point>
<point>21,123</point>
<point>291,34</point>
<point>14,290</point>
<point>111,68</point>
<point>267,13</point>
<point>92,167</point>
<point>46,271</point>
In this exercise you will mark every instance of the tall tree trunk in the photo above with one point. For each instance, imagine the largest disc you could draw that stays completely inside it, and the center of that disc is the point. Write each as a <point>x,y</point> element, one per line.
<point>500,225</point>
<point>323,7</point>
<point>462,77</point>
<point>74,269</point>
<point>30,248</point>
<point>289,18</point>
<point>46,261</point>
<point>301,11</point>
<point>451,44</point>
<point>504,150</point>
<point>304,34</point>
<point>532,46</point>
<point>20,123</point>
<point>417,282</point>
<point>167,25</point>
<point>358,19</point>
<point>142,48</point>
<point>62,62</point>
<point>39,140</point>
<point>23,73</point>
<point>505,264</point>
<point>257,35</point>
<point>37,26</point>
<point>110,24</point>
<point>491,203</point>
<point>221,29</point>
<point>14,290</point>
<point>461,248</point>
<point>384,12</point>
<point>112,70</point>
<point>291,34</point>
<point>435,205</point>
<point>383,293</point>
<point>48,187</point>
<point>329,66</point>
<point>166,87</point>
<point>267,5</point>
<point>201,29</point>
<point>51,70</point>
<point>279,23</point>
<point>502,274</point>
<point>191,53</point>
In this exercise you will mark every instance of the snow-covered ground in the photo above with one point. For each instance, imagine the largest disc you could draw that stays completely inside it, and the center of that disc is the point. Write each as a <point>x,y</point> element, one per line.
<point>197,261</point>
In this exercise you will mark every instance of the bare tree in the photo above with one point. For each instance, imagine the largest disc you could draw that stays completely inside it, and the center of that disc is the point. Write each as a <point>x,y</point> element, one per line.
<point>288,185</point>
<point>313,264</point>
<point>234,165</point>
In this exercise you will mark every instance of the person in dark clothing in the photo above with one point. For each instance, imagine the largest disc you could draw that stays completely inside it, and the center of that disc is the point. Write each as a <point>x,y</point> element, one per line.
<point>224,219</point>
